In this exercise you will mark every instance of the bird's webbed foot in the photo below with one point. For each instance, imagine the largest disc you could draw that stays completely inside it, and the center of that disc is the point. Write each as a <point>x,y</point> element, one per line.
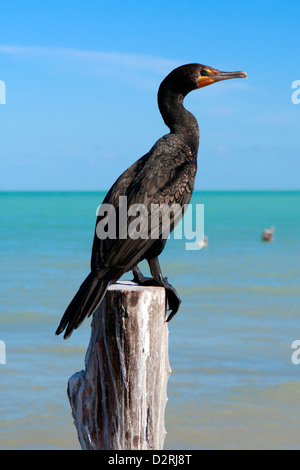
<point>173,298</point>
<point>142,280</point>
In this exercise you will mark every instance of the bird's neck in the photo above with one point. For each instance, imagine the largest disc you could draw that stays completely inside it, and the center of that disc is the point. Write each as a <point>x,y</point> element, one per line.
<point>177,118</point>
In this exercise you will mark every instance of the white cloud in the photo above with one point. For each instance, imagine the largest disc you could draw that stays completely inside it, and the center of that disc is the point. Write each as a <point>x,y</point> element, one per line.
<point>95,59</point>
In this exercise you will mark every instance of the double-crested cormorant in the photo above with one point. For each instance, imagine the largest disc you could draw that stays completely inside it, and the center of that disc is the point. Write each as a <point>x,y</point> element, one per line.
<point>164,176</point>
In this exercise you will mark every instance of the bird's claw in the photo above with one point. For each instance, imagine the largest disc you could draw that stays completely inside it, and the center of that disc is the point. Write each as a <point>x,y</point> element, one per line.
<point>141,280</point>
<point>173,300</point>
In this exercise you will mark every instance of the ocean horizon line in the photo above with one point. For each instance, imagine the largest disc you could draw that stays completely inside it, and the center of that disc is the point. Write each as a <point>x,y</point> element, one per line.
<point>47,191</point>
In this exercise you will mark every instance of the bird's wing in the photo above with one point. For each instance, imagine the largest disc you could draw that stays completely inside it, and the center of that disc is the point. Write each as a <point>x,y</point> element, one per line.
<point>156,179</point>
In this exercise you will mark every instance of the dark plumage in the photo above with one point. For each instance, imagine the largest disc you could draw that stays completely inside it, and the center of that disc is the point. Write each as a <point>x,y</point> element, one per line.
<point>165,175</point>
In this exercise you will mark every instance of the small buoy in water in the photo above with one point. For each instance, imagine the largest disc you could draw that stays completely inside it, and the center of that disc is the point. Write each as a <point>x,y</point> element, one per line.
<point>268,234</point>
<point>203,243</point>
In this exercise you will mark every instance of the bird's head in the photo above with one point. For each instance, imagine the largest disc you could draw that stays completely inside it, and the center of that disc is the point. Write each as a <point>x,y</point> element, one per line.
<point>193,76</point>
<point>178,84</point>
<point>208,76</point>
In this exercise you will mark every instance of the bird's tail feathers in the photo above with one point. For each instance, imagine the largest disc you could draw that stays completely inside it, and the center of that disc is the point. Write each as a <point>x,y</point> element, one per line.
<point>85,302</point>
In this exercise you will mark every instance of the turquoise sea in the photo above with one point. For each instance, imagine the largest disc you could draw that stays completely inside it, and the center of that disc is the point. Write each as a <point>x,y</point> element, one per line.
<point>233,384</point>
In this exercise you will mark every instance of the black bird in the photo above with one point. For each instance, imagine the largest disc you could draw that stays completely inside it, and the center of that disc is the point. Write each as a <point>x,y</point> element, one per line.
<point>164,176</point>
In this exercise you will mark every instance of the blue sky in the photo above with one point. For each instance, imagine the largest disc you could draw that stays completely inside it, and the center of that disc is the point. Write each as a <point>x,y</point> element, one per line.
<point>82,78</point>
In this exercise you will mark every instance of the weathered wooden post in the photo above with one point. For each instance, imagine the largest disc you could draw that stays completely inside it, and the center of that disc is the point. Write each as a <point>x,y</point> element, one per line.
<point>118,402</point>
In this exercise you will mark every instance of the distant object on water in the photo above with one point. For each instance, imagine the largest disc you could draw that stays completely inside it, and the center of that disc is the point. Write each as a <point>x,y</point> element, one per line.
<point>203,243</point>
<point>268,234</point>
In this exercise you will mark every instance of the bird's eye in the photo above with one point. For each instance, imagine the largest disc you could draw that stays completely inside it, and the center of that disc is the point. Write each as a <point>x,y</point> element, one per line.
<point>204,73</point>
